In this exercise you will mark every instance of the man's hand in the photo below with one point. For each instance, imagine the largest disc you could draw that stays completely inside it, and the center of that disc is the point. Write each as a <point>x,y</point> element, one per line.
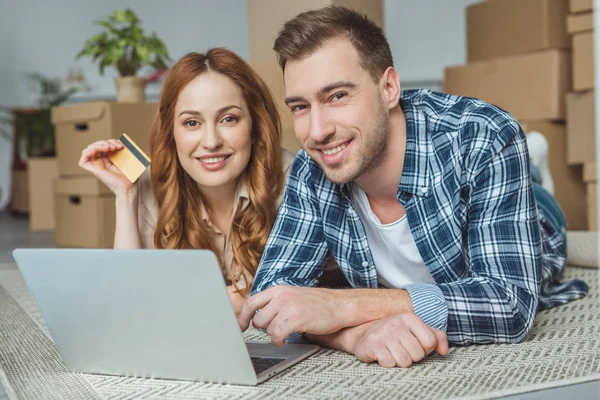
<point>397,341</point>
<point>286,309</point>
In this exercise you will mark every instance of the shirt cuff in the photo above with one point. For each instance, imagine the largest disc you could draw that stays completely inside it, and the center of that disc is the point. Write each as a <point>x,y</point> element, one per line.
<point>429,304</point>
<point>297,338</point>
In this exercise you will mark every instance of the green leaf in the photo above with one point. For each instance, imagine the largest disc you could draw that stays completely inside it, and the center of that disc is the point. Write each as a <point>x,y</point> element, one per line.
<point>99,38</point>
<point>137,34</point>
<point>110,27</point>
<point>131,17</point>
<point>115,54</point>
<point>104,63</point>
<point>143,53</point>
<point>124,44</point>
<point>119,16</point>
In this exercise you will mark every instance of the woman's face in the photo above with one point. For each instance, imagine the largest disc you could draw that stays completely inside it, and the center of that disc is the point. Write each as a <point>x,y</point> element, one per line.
<point>213,130</point>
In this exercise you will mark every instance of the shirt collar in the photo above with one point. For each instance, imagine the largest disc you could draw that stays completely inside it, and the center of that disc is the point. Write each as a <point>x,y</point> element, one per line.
<point>415,178</point>
<point>416,172</point>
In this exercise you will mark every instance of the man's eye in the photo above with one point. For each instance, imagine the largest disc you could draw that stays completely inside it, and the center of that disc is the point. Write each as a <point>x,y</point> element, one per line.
<point>297,108</point>
<point>338,96</point>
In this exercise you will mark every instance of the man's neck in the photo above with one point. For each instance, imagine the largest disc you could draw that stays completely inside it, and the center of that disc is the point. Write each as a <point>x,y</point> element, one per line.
<point>381,183</point>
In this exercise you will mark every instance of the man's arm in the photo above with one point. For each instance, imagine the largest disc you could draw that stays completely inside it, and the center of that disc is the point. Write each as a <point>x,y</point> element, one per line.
<point>286,310</point>
<point>498,301</point>
<point>395,341</point>
<point>296,251</point>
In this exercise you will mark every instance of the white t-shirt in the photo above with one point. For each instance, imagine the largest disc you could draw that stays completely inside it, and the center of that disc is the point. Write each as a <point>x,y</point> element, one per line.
<point>397,259</point>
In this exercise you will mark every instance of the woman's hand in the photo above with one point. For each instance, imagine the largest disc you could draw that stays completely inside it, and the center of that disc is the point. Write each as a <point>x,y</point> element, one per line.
<point>94,159</point>
<point>237,300</point>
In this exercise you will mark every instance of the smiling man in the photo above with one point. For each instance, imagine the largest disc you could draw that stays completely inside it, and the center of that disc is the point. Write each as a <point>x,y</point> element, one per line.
<point>425,200</point>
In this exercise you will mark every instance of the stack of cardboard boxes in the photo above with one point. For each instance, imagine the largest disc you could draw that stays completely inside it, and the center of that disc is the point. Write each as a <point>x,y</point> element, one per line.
<point>519,59</point>
<point>581,131</point>
<point>265,19</point>
<point>85,207</point>
<point>42,173</point>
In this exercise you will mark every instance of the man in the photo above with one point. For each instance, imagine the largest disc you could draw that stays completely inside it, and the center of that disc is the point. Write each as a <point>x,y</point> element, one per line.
<point>424,199</point>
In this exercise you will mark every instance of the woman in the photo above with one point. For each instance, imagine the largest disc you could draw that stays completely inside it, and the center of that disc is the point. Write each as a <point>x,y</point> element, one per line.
<point>217,171</point>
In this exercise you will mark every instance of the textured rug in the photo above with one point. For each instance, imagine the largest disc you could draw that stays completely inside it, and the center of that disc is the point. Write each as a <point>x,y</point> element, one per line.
<point>563,348</point>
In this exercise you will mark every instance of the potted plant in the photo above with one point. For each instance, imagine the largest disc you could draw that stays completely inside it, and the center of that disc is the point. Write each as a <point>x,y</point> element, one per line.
<point>33,130</point>
<point>124,45</point>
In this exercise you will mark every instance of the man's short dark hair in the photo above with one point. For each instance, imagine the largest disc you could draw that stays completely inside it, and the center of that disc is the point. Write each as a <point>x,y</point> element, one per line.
<point>309,31</point>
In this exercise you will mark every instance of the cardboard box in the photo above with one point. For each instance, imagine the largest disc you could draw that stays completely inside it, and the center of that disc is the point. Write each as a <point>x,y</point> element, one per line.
<point>583,61</point>
<point>592,205</point>
<point>531,86</point>
<point>581,127</point>
<point>569,188</point>
<point>590,172</point>
<point>265,19</point>
<point>19,194</point>
<point>576,6</point>
<point>85,213</point>
<point>78,125</point>
<point>577,23</point>
<point>500,28</point>
<point>43,171</point>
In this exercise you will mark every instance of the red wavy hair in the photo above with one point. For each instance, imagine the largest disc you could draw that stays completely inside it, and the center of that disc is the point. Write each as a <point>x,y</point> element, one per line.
<point>179,223</point>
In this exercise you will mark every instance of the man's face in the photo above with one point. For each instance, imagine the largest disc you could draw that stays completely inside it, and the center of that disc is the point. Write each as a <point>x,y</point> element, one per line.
<point>340,116</point>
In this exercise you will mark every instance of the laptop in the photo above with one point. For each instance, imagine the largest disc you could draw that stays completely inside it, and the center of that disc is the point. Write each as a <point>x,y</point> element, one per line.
<point>147,313</point>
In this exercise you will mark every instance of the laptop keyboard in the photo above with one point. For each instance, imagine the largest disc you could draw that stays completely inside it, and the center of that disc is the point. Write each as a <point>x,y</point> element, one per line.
<point>261,364</point>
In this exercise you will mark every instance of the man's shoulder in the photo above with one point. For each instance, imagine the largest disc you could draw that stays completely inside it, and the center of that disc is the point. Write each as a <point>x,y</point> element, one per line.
<point>478,128</point>
<point>445,112</point>
<point>306,171</point>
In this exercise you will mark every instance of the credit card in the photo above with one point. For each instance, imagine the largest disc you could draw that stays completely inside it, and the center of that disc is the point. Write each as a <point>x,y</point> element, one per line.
<point>130,160</point>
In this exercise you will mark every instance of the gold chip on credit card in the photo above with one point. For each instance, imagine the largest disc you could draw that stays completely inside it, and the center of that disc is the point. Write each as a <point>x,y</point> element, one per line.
<point>130,160</point>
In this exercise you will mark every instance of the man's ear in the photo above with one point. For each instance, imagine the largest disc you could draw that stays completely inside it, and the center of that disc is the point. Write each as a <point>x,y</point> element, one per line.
<point>390,85</point>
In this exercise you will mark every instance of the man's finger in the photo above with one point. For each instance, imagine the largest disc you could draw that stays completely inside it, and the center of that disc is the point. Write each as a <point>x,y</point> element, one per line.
<point>424,335</point>
<point>402,357</point>
<point>411,345</point>
<point>442,342</point>
<point>253,304</point>
<point>276,330</point>
<point>264,317</point>
<point>385,358</point>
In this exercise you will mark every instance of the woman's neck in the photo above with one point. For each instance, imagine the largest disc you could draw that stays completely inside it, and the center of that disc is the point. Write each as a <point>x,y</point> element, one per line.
<point>219,205</point>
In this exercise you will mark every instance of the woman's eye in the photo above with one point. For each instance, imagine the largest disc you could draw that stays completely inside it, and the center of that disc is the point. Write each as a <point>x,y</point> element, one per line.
<point>191,123</point>
<point>229,119</point>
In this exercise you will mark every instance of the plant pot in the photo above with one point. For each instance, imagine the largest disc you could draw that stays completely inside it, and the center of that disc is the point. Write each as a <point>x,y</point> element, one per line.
<point>131,89</point>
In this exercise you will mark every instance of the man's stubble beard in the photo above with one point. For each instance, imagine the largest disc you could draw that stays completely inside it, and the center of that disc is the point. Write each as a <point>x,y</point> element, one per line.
<point>366,159</point>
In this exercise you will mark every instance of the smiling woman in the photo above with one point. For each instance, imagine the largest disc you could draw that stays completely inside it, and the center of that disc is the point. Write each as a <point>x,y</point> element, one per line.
<point>217,173</point>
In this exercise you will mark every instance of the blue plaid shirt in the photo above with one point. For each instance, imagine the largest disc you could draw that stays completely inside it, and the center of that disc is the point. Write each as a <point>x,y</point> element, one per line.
<point>467,192</point>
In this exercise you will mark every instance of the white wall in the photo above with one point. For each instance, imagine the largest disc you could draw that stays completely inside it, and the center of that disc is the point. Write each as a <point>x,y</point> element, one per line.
<point>45,36</point>
<point>425,36</point>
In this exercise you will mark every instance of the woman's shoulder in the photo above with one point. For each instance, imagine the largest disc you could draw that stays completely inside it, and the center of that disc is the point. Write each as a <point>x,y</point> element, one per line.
<point>145,183</point>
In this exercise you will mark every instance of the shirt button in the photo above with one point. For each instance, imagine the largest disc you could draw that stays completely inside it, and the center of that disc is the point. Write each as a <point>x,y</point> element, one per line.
<point>365,263</point>
<point>424,189</point>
